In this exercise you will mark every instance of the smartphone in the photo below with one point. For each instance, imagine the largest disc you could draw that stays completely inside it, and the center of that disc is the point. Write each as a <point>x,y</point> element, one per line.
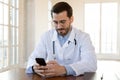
<point>41,61</point>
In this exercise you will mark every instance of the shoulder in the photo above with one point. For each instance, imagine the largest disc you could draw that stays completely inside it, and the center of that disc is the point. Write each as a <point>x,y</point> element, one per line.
<point>48,34</point>
<point>82,37</point>
<point>80,33</point>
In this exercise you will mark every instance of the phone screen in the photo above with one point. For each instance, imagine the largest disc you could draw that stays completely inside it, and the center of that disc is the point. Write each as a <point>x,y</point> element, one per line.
<point>41,61</point>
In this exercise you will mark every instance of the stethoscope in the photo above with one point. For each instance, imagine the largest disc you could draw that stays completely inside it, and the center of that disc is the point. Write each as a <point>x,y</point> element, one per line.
<point>54,57</point>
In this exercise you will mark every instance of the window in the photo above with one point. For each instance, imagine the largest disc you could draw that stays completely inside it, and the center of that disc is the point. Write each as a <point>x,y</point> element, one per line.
<point>49,14</point>
<point>101,22</point>
<point>9,33</point>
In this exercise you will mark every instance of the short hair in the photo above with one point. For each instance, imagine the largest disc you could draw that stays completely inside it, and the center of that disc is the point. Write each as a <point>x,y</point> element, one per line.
<point>60,7</point>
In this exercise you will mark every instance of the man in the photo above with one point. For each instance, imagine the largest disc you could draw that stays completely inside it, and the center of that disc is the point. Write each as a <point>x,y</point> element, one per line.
<point>67,51</point>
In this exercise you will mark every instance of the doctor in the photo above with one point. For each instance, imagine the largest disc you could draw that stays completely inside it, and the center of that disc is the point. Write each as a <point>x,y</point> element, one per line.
<point>67,50</point>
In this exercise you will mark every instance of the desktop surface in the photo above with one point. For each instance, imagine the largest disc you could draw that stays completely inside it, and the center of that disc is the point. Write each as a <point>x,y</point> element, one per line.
<point>19,74</point>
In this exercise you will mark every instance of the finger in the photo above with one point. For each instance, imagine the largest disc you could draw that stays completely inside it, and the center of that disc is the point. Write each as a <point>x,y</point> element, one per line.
<point>50,74</point>
<point>49,71</point>
<point>42,67</point>
<point>41,74</point>
<point>39,71</point>
<point>36,66</point>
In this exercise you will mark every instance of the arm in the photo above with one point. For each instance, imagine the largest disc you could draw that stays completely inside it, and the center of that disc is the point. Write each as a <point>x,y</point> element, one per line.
<point>88,62</point>
<point>39,51</point>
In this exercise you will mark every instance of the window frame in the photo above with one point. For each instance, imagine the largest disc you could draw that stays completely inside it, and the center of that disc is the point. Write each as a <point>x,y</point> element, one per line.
<point>109,56</point>
<point>21,38</point>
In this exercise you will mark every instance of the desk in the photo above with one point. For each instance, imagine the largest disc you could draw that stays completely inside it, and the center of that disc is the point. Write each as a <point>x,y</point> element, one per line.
<point>19,74</point>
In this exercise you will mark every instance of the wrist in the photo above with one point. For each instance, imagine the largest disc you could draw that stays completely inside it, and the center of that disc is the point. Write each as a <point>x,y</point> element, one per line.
<point>69,70</point>
<point>33,69</point>
<point>64,71</point>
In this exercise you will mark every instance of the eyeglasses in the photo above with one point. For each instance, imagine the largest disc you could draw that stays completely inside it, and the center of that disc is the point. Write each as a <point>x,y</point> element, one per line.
<point>61,22</point>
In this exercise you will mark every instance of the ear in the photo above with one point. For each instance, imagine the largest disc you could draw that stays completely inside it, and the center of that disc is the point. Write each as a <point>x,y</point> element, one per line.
<point>71,19</point>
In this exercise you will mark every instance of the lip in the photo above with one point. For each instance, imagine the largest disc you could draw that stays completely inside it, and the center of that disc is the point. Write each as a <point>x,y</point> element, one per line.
<point>61,30</point>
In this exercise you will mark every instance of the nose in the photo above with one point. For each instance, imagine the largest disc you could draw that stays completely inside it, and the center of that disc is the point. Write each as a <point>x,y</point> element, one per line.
<point>59,25</point>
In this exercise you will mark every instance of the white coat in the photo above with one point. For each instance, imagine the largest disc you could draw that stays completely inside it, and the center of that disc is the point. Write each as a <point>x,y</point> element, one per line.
<point>77,52</point>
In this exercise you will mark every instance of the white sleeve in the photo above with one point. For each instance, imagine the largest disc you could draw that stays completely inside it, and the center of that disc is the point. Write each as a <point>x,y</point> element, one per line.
<point>39,51</point>
<point>88,62</point>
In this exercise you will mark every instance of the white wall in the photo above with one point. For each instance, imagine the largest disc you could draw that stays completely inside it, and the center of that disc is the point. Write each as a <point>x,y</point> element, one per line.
<point>36,22</point>
<point>41,18</point>
<point>30,26</point>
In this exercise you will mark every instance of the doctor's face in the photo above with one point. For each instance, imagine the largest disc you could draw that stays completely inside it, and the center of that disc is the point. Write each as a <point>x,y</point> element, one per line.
<point>62,22</point>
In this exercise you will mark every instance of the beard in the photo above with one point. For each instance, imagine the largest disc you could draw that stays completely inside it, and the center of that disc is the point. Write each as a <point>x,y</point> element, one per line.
<point>63,31</point>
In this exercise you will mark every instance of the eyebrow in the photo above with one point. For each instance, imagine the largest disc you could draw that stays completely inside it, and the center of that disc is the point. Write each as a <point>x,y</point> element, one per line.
<point>59,21</point>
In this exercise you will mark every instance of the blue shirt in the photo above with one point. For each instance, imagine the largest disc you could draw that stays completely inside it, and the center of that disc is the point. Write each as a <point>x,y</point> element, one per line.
<point>62,40</point>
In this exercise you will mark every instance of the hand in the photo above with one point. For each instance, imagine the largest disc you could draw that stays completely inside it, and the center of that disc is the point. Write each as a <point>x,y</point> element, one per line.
<point>51,69</point>
<point>39,69</point>
<point>54,69</point>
